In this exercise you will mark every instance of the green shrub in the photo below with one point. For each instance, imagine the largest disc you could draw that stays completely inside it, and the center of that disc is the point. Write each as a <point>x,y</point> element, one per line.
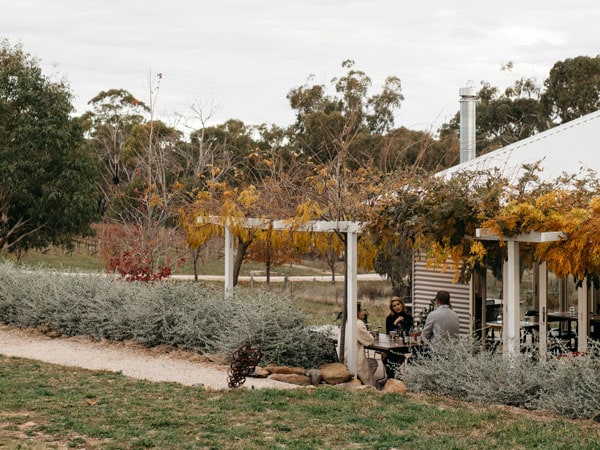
<point>186,315</point>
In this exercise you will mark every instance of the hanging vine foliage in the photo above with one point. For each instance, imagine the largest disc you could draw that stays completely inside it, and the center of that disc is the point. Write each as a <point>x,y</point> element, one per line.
<point>439,216</point>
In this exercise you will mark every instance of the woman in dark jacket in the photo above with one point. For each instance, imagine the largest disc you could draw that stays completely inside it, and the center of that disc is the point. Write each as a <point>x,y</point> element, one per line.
<point>401,321</point>
<point>398,319</point>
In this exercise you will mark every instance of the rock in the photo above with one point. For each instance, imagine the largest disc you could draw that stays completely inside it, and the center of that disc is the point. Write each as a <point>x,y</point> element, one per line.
<point>394,386</point>
<point>366,387</point>
<point>315,376</point>
<point>286,370</point>
<point>352,384</point>
<point>260,372</point>
<point>336,373</point>
<point>291,378</point>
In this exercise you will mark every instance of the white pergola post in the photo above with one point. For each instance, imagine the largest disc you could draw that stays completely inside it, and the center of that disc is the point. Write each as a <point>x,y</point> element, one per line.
<point>583,318</point>
<point>229,253</point>
<point>352,282</point>
<point>543,307</point>
<point>505,296</point>
<point>513,309</point>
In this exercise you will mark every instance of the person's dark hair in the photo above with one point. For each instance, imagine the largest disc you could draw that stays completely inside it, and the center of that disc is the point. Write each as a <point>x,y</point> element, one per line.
<point>443,297</point>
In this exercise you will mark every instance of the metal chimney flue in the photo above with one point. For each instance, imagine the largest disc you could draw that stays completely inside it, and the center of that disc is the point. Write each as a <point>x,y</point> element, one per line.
<point>467,123</point>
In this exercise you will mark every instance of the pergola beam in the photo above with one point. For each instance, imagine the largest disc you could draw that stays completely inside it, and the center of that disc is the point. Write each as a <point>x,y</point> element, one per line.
<point>534,237</point>
<point>342,226</point>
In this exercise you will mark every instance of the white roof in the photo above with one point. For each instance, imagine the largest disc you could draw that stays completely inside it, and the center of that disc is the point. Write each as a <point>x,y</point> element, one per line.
<point>569,148</point>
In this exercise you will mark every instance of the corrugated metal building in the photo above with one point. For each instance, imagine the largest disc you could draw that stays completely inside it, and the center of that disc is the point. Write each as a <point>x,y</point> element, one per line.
<point>426,282</point>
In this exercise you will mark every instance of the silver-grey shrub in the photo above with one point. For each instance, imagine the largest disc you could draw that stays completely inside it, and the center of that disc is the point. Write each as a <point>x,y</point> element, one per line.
<point>191,316</point>
<point>461,370</point>
<point>567,385</point>
<point>572,384</point>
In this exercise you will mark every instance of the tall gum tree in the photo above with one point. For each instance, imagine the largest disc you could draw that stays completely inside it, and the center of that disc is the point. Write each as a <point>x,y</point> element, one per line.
<point>572,88</point>
<point>109,124</point>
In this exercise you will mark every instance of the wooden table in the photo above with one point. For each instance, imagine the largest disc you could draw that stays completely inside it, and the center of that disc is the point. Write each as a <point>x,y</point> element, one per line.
<point>526,326</point>
<point>389,347</point>
<point>384,344</point>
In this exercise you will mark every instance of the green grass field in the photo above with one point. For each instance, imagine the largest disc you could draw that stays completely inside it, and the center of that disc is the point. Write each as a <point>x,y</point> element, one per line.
<point>86,258</point>
<point>45,406</point>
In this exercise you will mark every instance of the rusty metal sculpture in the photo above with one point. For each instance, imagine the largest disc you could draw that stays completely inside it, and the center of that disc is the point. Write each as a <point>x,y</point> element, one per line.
<point>245,359</point>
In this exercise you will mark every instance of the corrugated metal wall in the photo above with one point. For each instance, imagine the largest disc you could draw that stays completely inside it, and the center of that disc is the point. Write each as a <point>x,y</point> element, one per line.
<point>427,282</point>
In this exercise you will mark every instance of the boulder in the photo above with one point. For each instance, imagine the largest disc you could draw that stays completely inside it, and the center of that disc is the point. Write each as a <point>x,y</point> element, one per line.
<point>260,372</point>
<point>354,383</point>
<point>291,378</point>
<point>366,387</point>
<point>286,370</point>
<point>315,376</point>
<point>394,386</point>
<point>335,373</point>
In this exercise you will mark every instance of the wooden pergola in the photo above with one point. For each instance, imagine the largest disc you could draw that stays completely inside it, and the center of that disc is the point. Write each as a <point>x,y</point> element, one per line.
<point>511,316</point>
<point>350,229</point>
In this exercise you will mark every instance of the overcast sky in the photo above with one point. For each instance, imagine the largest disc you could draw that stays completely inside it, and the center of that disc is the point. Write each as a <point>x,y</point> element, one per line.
<point>243,56</point>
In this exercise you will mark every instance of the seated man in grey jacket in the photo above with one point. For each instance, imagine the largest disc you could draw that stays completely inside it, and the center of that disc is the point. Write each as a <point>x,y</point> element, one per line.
<point>442,323</point>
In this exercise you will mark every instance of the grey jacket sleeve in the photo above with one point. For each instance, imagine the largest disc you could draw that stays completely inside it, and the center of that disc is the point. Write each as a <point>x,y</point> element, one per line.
<point>427,332</point>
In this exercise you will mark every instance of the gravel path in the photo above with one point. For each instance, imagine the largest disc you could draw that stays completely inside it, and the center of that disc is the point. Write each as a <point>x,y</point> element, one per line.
<point>132,360</point>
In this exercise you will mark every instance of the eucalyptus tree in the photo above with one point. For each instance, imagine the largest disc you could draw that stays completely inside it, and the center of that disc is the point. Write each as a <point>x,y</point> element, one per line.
<point>328,126</point>
<point>337,135</point>
<point>224,148</point>
<point>108,125</point>
<point>505,117</point>
<point>405,150</point>
<point>47,173</point>
<point>572,88</point>
<point>508,117</point>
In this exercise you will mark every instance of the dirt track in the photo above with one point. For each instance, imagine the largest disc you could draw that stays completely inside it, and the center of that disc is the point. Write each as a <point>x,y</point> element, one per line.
<point>132,360</point>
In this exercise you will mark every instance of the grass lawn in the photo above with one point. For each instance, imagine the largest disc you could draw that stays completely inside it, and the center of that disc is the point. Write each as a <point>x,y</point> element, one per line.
<point>47,406</point>
<point>82,258</point>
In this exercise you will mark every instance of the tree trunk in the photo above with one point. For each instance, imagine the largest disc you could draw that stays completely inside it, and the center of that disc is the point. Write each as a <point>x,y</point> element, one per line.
<point>239,258</point>
<point>196,257</point>
<point>268,271</point>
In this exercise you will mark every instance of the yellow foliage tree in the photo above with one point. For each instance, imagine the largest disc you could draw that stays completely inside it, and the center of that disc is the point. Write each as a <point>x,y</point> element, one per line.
<point>572,208</point>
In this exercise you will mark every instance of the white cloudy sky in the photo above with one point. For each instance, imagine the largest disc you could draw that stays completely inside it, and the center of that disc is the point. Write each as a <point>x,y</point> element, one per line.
<point>243,56</point>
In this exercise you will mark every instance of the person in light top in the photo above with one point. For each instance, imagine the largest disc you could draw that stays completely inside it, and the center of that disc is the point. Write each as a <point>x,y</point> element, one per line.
<point>364,338</point>
<point>443,323</point>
